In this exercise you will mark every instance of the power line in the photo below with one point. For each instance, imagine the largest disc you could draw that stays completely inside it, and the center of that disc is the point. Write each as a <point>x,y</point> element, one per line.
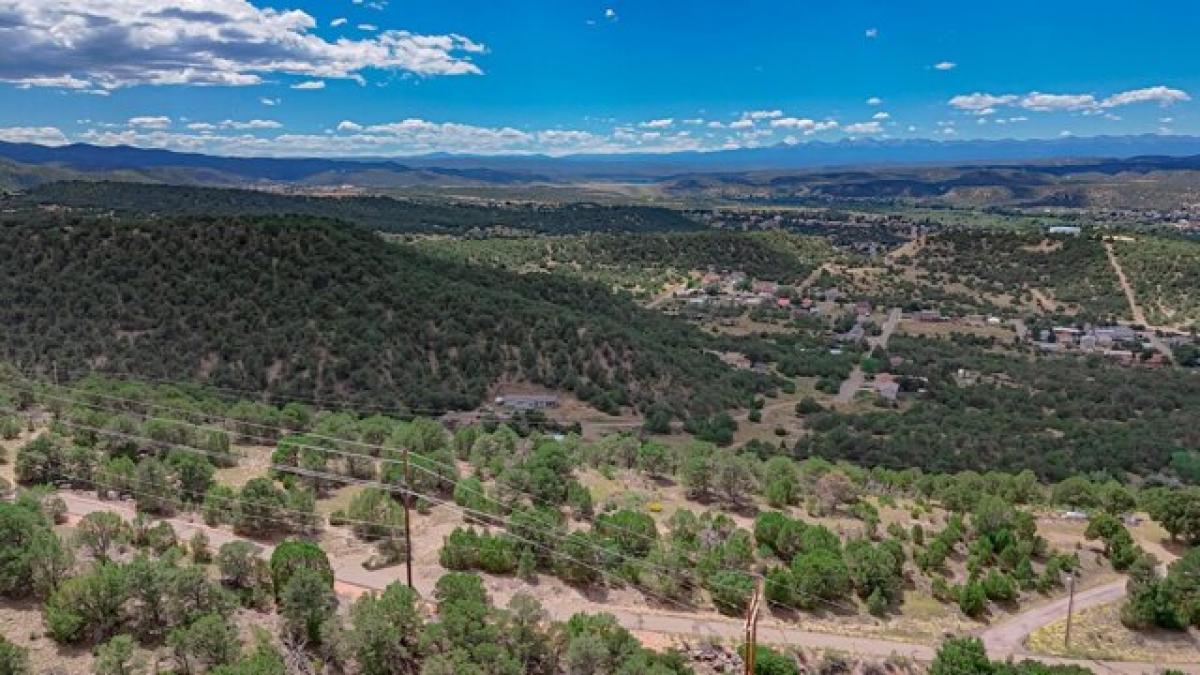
<point>480,515</point>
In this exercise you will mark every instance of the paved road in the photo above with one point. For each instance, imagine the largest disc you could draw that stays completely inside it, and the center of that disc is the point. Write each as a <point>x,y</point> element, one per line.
<point>1003,641</point>
<point>857,378</point>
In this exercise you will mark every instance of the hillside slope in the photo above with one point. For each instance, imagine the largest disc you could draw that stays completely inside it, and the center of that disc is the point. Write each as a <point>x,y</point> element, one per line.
<point>377,213</point>
<point>312,308</point>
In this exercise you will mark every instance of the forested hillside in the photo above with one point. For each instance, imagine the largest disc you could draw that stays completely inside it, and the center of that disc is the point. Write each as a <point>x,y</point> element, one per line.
<point>312,308</point>
<point>987,410</point>
<point>377,213</point>
<point>617,257</point>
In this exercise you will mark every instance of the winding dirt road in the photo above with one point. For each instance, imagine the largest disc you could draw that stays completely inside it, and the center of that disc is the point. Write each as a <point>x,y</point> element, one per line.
<point>1003,641</point>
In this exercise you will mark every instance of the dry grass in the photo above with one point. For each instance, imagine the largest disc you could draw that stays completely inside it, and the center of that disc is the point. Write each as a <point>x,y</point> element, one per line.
<point>945,328</point>
<point>1097,633</point>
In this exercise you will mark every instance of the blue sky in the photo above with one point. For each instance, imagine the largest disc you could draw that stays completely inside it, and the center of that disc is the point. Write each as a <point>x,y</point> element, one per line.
<point>339,77</point>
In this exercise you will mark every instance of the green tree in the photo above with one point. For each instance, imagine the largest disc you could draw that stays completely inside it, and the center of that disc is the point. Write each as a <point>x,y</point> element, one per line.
<point>102,532</point>
<point>730,590</point>
<point>294,555</point>
<point>385,632</point>
<point>961,656</point>
<point>87,608</point>
<point>156,491</point>
<point>19,528</point>
<point>306,602</point>
<point>259,509</point>
<point>14,659</point>
<point>208,642</point>
<point>119,656</point>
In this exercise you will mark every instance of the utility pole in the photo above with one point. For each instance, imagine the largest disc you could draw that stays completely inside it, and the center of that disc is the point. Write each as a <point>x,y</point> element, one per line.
<point>1070,606</point>
<point>752,628</point>
<point>407,519</point>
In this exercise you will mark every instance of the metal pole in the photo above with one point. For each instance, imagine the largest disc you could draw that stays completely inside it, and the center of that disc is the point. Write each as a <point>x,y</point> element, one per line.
<point>1070,606</point>
<point>407,519</point>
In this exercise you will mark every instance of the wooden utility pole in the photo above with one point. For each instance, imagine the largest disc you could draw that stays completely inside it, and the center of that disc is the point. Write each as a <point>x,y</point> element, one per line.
<point>752,628</point>
<point>407,519</point>
<point>1070,606</point>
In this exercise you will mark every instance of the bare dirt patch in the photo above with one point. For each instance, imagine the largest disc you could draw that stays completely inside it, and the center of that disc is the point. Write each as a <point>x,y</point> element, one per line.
<point>1097,633</point>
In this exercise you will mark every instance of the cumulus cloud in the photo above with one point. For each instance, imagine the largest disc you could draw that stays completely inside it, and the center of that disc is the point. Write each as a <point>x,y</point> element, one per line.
<point>149,122</point>
<point>39,135</point>
<point>880,115</point>
<point>762,114</point>
<point>368,27</point>
<point>108,44</point>
<point>985,104</point>
<point>340,21</point>
<point>871,33</point>
<point>979,102</point>
<point>744,123</point>
<point>863,128</point>
<point>347,125</point>
<point>874,100</point>
<point>803,124</point>
<point>1048,102</point>
<point>309,85</point>
<point>1161,95</point>
<point>658,124</point>
<point>269,101</point>
<point>945,65</point>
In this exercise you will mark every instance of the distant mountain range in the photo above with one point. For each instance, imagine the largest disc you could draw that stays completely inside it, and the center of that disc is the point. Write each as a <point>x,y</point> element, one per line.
<point>25,165</point>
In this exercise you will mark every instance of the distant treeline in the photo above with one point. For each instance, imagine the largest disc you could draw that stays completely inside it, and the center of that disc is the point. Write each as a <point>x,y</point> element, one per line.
<point>383,214</point>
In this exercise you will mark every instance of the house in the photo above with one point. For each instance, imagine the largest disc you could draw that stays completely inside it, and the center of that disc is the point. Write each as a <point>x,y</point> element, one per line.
<point>806,303</point>
<point>862,308</point>
<point>885,385</point>
<point>783,302</point>
<point>527,401</point>
<point>994,321</point>
<point>1088,343</point>
<point>768,287</point>
<point>1074,515</point>
<point>853,335</point>
<point>1065,229</point>
<point>929,316</point>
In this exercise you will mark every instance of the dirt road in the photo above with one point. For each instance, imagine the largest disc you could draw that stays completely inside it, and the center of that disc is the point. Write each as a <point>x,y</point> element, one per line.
<point>1003,641</point>
<point>854,382</point>
<point>1135,310</point>
<point>1008,637</point>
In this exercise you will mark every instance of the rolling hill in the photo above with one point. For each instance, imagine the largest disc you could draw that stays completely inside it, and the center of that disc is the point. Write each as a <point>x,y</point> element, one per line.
<point>312,308</point>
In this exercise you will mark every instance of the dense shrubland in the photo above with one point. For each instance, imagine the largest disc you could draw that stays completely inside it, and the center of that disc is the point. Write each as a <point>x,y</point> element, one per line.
<point>297,307</point>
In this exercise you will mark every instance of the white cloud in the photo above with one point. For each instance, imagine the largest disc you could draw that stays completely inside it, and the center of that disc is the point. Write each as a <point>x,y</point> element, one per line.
<point>1161,95</point>
<point>610,14</point>
<point>309,85</point>
<point>804,124</point>
<point>347,125</point>
<point>658,124</point>
<point>744,123</point>
<point>863,128</point>
<point>1049,102</point>
<point>108,44</point>
<point>979,101</point>
<point>39,135</point>
<point>251,124</point>
<point>880,115</point>
<point>202,126</point>
<point>340,21</point>
<point>945,65</point>
<point>871,33</point>
<point>269,101</point>
<point>368,27</point>
<point>762,114</point>
<point>1087,104</point>
<point>150,122</point>
<point>715,125</point>
<point>874,100</point>
<point>695,121</point>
